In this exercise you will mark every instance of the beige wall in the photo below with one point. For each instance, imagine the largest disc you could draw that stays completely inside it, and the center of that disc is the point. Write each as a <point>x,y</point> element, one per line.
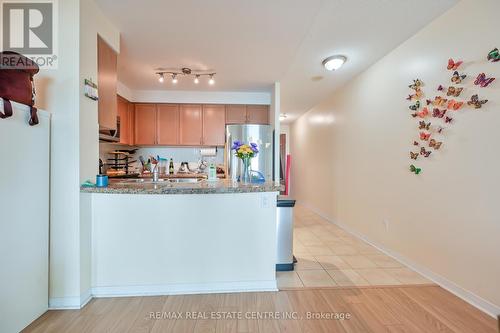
<point>350,157</point>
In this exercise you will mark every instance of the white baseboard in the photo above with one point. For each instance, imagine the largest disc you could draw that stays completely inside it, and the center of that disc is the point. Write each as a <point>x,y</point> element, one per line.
<point>185,289</point>
<point>468,296</point>
<point>70,303</point>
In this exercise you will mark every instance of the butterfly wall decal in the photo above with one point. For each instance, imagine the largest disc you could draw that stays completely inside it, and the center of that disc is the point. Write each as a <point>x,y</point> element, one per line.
<point>440,129</point>
<point>413,155</point>
<point>425,153</point>
<point>417,95</point>
<point>454,91</point>
<point>422,113</point>
<point>454,105</point>
<point>435,144</point>
<point>415,170</point>
<point>475,102</point>
<point>448,119</point>
<point>415,106</point>
<point>483,81</point>
<point>440,88</point>
<point>416,84</point>
<point>494,55</point>
<point>415,143</point>
<point>425,136</point>
<point>438,101</point>
<point>436,113</point>
<point>423,125</point>
<point>457,78</point>
<point>452,65</point>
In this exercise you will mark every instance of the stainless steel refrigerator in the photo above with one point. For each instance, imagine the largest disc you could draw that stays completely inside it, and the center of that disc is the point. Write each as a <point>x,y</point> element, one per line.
<point>262,164</point>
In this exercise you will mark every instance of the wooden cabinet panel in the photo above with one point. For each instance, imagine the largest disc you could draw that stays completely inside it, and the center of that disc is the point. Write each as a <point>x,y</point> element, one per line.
<point>124,116</point>
<point>214,125</point>
<point>167,124</point>
<point>107,83</point>
<point>131,116</point>
<point>145,124</point>
<point>190,125</point>
<point>258,114</point>
<point>236,114</point>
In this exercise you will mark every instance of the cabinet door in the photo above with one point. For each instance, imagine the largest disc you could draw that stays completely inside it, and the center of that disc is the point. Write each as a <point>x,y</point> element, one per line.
<point>131,116</point>
<point>167,124</point>
<point>107,83</point>
<point>258,114</point>
<point>145,124</point>
<point>190,125</point>
<point>236,114</point>
<point>124,116</point>
<point>214,125</point>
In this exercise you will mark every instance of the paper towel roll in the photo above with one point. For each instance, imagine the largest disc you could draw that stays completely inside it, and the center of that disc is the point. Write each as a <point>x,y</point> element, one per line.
<point>208,151</point>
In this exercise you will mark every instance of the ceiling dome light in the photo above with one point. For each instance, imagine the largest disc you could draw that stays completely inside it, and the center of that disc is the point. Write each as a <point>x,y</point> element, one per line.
<point>334,62</point>
<point>197,79</point>
<point>161,78</point>
<point>211,81</point>
<point>174,78</point>
<point>283,116</point>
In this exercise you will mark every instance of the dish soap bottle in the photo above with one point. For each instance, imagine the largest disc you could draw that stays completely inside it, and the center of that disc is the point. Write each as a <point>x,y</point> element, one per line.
<point>212,172</point>
<point>171,167</point>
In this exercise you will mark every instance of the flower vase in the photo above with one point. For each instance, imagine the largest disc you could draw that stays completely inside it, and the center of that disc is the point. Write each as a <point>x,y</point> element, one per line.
<point>245,175</point>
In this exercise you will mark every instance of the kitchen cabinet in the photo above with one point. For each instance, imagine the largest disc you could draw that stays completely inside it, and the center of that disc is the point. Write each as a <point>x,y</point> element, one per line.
<point>191,125</point>
<point>247,114</point>
<point>236,114</point>
<point>258,114</point>
<point>167,124</point>
<point>145,124</point>
<point>131,115</point>
<point>124,120</point>
<point>214,125</point>
<point>107,84</point>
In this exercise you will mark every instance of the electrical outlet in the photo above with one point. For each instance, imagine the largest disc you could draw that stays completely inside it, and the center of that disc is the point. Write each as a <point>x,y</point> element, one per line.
<point>386,224</point>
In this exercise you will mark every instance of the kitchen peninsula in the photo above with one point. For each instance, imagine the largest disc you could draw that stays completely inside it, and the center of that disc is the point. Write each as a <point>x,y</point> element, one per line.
<point>161,238</point>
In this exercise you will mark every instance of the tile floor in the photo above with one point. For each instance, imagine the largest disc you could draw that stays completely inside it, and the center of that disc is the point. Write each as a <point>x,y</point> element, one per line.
<point>328,256</point>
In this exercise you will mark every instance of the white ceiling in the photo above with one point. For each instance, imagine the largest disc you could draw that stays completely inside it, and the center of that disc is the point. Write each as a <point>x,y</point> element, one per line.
<point>253,43</point>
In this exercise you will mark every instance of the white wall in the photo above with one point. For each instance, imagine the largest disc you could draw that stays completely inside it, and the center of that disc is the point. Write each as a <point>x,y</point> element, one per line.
<point>74,144</point>
<point>350,157</point>
<point>208,97</point>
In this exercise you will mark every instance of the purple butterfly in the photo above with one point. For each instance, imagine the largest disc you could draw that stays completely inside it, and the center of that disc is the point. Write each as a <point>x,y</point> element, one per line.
<point>483,81</point>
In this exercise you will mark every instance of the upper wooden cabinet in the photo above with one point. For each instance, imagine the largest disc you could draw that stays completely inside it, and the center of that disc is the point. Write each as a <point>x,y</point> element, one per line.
<point>190,125</point>
<point>107,83</point>
<point>145,124</point>
<point>258,114</point>
<point>214,124</point>
<point>236,114</point>
<point>167,127</point>
<point>124,117</point>
<point>247,114</point>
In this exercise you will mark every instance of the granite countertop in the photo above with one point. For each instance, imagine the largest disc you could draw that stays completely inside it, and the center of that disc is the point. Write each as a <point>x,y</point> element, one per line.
<point>166,187</point>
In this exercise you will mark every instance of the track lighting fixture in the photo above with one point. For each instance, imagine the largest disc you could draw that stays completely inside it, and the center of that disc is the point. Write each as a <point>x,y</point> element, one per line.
<point>185,72</point>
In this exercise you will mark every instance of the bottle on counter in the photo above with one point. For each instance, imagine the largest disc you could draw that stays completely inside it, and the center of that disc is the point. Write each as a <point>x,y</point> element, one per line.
<point>212,171</point>
<point>171,167</point>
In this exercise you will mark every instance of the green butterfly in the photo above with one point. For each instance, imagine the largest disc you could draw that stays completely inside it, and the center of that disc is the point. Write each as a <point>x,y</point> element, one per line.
<point>494,55</point>
<point>414,169</point>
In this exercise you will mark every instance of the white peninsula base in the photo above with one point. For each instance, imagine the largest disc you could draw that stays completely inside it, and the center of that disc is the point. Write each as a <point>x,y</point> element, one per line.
<point>143,244</point>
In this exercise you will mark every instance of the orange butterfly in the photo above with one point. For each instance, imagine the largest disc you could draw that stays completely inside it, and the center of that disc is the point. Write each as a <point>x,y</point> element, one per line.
<point>454,105</point>
<point>422,114</point>
<point>425,136</point>
<point>439,101</point>
<point>435,144</point>
<point>454,91</point>
<point>452,65</point>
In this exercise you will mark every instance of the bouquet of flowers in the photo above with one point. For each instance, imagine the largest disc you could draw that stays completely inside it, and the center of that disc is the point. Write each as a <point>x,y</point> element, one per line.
<point>245,152</point>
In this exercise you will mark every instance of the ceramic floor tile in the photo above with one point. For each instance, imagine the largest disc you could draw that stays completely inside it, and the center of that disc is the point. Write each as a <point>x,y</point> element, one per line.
<point>377,276</point>
<point>407,276</point>
<point>332,262</point>
<point>306,262</point>
<point>316,278</point>
<point>288,280</point>
<point>359,261</point>
<point>384,261</point>
<point>319,250</point>
<point>347,277</point>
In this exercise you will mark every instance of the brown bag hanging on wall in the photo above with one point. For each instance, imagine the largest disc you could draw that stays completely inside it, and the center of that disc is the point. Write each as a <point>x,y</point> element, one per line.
<point>16,83</point>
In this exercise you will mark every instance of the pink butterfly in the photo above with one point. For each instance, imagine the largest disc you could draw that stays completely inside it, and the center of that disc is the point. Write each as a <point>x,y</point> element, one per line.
<point>483,81</point>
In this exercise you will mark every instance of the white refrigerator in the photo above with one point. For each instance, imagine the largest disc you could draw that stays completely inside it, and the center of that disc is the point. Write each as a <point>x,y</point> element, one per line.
<point>24,218</point>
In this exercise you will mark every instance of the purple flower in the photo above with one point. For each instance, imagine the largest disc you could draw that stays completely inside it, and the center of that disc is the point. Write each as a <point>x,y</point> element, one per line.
<point>236,145</point>
<point>254,145</point>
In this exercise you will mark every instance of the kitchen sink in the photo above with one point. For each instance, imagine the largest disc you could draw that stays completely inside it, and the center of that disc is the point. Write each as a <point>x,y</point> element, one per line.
<point>160,181</point>
<point>185,180</point>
